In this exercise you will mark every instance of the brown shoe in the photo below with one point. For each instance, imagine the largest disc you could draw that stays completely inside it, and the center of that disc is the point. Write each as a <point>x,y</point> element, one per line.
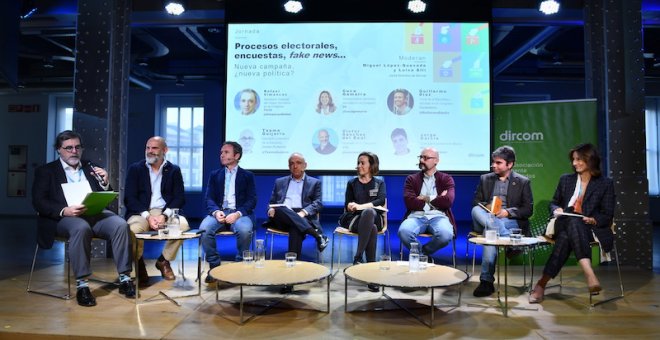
<point>143,275</point>
<point>165,269</point>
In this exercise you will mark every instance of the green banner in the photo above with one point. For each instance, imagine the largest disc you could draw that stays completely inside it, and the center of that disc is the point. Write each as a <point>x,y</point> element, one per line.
<point>542,133</point>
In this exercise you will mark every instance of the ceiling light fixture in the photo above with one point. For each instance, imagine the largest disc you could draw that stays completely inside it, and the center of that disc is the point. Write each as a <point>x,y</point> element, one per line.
<point>293,6</point>
<point>179,81</point>
<point>549,7</point>
<point>175,7</point>
<point>416,6</point>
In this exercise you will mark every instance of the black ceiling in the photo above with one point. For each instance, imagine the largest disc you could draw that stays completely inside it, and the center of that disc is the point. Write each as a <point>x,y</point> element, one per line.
<point>527,46</point>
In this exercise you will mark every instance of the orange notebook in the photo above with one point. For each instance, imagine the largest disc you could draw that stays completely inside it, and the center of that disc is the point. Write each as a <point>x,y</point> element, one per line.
<point>495,205</point>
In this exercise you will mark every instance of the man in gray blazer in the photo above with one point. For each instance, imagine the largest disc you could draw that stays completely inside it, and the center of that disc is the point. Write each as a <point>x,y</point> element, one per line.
<point>517,206</point>
<point>295,204</point>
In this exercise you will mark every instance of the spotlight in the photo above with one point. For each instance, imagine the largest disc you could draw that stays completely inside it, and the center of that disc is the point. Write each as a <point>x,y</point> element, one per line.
<point>416,6</point>
<point>179,81</point>
<point>549,7</point>
<point>48,62</point>
<point>175,7</point>
<point>293,6</point>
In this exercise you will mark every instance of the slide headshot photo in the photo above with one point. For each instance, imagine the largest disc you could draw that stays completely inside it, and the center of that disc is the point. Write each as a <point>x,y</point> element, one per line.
<point>247,101</point>
<point>246,140</point>
<point>400,101</point>
<point>325,106</point>
<point>323,141</point>
<point>400,142</point>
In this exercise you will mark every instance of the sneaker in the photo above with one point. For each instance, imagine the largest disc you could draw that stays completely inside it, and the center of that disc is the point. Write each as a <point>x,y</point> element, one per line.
<point>485,288</point>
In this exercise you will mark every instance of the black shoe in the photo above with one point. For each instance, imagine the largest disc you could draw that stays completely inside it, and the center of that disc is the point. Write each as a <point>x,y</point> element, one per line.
<point>373,288</point>
<point>357,260</point>
<point>485,288</point>
<point>142,271</point>
<point>267,224</point>
<point>324,243</point>
<point>127,288</point>
<point>85,297</point>
<point>286,290</point>
<point>210,279</point>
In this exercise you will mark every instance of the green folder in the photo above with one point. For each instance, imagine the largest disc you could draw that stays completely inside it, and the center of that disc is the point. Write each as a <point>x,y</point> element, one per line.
<point>96,201</point>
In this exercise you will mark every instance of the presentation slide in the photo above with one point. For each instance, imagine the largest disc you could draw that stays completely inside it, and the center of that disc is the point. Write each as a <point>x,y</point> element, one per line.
<point>333,90</point>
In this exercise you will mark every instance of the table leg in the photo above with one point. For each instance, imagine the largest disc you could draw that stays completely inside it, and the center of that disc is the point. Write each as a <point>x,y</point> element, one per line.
<point>345,294</point>
<point>241,304</point>
<point>137,273</point>
<point>506,284</point>
<point>328,291</point>
<point>199,269</point>
<point>432,306</point>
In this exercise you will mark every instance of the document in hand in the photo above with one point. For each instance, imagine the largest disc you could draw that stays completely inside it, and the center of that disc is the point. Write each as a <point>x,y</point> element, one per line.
<point>96,201</point>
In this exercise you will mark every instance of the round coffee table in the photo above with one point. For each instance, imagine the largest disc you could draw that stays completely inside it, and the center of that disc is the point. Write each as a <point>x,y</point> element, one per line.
<point>187,235</point>
<point>274,273</point>
<point>398,276</point>
<point>504,243</point>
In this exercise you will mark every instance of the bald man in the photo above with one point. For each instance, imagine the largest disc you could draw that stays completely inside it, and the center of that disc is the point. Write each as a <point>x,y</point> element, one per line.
<point>428,195</point>
<point>154,186</point>
<point>297,200</point>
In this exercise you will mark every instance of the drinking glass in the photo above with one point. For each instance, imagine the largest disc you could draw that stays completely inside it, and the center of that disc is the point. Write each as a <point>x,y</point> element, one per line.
<point>290,258</point>
<point>248,257</point>
<point>384,263</point>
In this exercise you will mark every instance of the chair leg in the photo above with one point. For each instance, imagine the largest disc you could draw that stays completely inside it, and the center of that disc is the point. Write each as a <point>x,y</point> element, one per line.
<point>332,257</point>
<point>618,270</point>
<point>68,295</point>
<point>271,245</point>
<point>453,252</point>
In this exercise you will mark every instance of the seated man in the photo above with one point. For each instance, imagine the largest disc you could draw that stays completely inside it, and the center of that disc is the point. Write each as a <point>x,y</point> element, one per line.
<point>230,197</point>
<point>57,217</point>
<point>301,198</point>
<point>517,205</point>
<point>154,186</point>
<point>428,195</point>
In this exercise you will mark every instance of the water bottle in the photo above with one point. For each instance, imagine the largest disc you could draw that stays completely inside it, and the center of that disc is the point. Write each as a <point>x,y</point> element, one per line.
<point>260,254</point>
<point>174,224</point>
<point>413,258</point>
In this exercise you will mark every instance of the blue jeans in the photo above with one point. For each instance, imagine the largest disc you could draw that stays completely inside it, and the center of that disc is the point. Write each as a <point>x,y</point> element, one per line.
<point>242,228</point>
<point>489,256</point>
<point>438,226</point>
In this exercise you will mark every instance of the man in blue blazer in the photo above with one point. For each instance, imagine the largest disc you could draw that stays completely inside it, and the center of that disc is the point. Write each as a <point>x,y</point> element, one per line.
<point>154,187</point>
<point>295,204</point>
<point>230,198</point>
<point>517,207</point>
<point>57,217</point>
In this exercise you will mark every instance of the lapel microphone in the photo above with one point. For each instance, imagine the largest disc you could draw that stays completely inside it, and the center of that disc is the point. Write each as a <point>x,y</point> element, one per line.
<point>97,176</point>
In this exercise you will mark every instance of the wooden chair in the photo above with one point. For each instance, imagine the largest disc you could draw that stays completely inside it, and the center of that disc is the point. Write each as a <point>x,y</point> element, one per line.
<point>341,231</point>
<point>593,244</point>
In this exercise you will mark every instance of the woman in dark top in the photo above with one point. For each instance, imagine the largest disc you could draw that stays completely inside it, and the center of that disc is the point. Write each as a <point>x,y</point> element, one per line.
<point>363,193</point>
<point>591,195</point>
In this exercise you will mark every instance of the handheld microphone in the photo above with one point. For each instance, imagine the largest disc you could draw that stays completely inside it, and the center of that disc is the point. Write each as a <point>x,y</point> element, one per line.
<point>97,176</point>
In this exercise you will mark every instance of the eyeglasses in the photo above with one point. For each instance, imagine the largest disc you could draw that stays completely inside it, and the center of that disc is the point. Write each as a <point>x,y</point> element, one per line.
<point>422,157</point>
<point>70,148</point>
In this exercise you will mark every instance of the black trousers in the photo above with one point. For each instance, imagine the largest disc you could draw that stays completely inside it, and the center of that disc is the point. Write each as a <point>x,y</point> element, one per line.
<point>571,234</point>
<point>288,220</point>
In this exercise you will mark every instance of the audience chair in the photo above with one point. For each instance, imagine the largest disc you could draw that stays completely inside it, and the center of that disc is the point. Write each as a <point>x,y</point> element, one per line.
<point>549,241</point>
<point>424,235</point>
<point>341,231</point>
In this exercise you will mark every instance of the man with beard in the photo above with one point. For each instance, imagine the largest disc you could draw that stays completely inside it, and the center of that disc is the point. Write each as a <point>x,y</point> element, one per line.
<point>57,217</point>
<point>428,195</point>
<point>154,186</point>
<point>517,206</point>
